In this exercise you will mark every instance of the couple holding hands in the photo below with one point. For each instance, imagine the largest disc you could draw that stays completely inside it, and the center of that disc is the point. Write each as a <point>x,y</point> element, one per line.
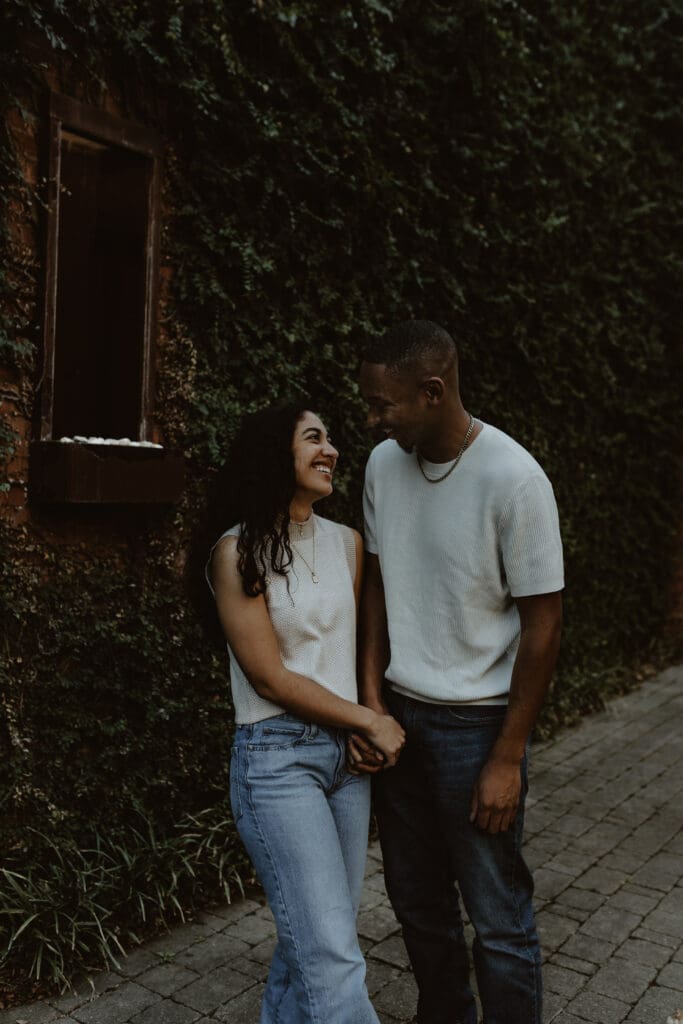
<point>455,597</point>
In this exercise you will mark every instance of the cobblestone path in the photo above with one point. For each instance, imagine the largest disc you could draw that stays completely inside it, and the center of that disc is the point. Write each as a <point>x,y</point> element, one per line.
<point>605,840</point>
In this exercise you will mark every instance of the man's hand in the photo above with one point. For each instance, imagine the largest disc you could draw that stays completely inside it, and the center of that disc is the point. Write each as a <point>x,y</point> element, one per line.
<point>495,797</point>
<point>497,791</point>
<point>361,756</point>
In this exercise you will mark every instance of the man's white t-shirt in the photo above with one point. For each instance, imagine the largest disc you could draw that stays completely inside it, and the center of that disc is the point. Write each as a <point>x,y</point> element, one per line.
<point>453,556</point>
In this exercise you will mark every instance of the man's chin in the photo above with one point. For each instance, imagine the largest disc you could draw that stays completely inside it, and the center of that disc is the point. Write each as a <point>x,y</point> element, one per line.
<point>407,448</point>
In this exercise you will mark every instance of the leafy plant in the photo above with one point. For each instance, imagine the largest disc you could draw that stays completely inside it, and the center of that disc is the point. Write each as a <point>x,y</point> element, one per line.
<point>63,907</point>
<point>506,169</point>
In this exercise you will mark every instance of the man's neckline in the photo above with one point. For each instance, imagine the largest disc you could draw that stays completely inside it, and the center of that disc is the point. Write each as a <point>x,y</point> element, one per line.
<point>449,462</point>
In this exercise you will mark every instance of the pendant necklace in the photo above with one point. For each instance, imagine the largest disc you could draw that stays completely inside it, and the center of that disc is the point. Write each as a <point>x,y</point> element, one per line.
<point>300,526</point>
<point>311,568</point>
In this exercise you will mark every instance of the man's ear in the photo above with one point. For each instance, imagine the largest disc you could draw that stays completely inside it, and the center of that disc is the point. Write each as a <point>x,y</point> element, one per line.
<point>433,390</point>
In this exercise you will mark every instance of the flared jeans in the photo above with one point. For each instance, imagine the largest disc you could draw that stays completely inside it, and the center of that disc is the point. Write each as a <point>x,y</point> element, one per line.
<point>304,821</point>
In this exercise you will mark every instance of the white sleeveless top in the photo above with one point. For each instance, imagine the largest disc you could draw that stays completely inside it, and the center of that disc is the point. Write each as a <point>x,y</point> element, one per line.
<point>315,623</point>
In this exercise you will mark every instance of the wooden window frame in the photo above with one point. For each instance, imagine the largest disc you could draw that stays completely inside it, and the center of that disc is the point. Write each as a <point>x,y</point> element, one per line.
<point>68,114</point>
<point>91,473</point>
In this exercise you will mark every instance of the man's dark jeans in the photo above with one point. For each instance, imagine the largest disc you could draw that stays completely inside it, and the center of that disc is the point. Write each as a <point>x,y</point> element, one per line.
<point>431,850</point>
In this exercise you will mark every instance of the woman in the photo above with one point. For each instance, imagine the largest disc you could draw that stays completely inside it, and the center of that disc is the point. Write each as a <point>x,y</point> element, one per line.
<point>286,585</point>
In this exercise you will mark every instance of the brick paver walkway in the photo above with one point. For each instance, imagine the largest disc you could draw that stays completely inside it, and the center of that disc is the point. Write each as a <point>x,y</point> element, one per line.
<point>605,840</point>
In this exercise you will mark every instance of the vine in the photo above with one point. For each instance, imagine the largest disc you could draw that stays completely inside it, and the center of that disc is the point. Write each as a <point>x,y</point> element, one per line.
<point>506,171</point>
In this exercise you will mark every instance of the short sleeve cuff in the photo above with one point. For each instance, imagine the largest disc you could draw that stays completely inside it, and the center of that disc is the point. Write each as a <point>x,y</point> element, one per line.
<point>550,586</point>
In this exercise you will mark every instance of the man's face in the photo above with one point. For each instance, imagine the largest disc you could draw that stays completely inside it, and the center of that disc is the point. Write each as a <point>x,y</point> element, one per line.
<point>396,405</point>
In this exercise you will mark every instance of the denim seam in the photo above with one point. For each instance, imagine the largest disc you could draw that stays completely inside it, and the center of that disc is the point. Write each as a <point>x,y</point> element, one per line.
<point>530,960</point>
<point>285,911</point>
<point>238,794</point>
<point>264,747</point>
<point>341,775</point>
<point>285,990</point>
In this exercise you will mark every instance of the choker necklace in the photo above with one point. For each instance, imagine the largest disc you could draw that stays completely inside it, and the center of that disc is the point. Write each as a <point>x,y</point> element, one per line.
<point>438,479</point>
<point>311,568</point>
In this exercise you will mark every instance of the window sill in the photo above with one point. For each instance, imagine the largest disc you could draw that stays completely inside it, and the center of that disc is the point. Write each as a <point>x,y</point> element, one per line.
<point>104,473</point>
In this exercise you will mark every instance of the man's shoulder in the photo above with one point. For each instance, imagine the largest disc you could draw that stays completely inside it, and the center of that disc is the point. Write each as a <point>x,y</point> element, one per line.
<point>506,459</point>
<point>387,455</point>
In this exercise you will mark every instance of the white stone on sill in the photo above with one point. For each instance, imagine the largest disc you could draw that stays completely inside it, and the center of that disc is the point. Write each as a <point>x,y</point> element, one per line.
<point>116,441</point>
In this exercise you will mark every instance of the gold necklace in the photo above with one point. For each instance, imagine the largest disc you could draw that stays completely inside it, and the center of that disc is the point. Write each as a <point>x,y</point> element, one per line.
<point>438,479</point>
<point>310,568</point>
<point>301,525</point>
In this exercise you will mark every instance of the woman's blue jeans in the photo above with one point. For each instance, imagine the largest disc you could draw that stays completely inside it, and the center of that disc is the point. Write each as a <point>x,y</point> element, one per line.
<point>304,821</point>
<point>431,850</point>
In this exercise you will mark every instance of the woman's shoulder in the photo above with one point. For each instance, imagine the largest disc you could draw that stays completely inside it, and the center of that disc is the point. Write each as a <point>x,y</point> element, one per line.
<point>222,557</point>
<point>341,529</point>
<point>234,532</point>
<point>226,545</point>
<point>348,541</point>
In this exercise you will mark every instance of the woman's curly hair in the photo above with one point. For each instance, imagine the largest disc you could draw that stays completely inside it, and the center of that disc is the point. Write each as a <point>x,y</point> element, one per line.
<point>254,489</point>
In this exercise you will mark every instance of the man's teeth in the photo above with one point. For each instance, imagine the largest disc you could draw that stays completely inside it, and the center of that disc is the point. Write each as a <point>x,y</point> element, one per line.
<point>323,469</point>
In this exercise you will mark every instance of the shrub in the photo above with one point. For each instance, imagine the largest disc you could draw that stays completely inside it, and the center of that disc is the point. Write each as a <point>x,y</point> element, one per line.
<point>507,170</point>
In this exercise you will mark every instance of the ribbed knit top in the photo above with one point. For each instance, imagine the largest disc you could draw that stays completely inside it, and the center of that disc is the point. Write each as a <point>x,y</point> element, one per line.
<point>453,556</point>
<point>315,623</point>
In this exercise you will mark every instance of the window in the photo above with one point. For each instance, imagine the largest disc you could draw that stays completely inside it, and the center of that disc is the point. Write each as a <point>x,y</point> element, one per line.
<point>100,315</point>
<point>101,274</point>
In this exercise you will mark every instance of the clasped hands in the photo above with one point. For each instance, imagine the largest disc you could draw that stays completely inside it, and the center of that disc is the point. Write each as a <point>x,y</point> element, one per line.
<point>496,793</point>
<point>362,757</point>
<point>378,746</point>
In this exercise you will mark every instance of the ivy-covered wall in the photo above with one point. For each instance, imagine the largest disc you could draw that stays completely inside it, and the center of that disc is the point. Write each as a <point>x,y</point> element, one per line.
<point>507,170</point>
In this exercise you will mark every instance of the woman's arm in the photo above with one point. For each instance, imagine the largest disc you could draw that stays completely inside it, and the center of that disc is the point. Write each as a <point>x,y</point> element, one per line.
<point>249,631</point>
<point>373,658</point>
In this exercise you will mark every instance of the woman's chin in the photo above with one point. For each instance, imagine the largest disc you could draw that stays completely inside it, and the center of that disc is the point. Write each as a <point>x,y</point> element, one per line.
<point>323,490</point>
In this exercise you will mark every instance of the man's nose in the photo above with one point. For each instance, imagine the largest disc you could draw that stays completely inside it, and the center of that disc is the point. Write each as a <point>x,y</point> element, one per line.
<point>372,419</point>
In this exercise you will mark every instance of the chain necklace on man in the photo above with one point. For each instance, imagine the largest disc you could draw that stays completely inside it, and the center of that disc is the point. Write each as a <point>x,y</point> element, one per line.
<point>311,568</point>
<point>438,479</point>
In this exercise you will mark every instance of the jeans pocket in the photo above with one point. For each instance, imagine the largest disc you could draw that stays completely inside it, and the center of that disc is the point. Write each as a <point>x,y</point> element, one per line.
<point>277,733</point>
<point>235,785</point>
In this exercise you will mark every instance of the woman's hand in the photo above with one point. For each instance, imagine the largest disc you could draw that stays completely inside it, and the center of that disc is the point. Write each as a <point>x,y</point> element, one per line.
<point>361,756</point>
<point>388,736</point>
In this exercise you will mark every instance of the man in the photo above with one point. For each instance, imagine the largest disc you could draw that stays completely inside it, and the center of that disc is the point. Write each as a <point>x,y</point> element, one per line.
<point>461,627</point>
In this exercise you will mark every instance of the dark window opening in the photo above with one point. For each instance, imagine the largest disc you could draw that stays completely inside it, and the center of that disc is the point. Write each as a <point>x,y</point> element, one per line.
<point>100,315</point>
<point>101,269</point>
<point>100,299</point>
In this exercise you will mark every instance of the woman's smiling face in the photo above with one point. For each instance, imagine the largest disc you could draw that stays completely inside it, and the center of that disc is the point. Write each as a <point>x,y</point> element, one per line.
<point>314,457</point>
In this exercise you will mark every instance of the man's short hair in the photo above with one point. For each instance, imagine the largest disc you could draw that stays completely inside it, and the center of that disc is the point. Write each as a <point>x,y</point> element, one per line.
<point>411,343</point>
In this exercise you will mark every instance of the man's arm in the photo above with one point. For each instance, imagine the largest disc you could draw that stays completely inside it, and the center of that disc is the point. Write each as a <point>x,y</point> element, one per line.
<point>373,658</point>
<point>497,792</point>
<point>374,637</point>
